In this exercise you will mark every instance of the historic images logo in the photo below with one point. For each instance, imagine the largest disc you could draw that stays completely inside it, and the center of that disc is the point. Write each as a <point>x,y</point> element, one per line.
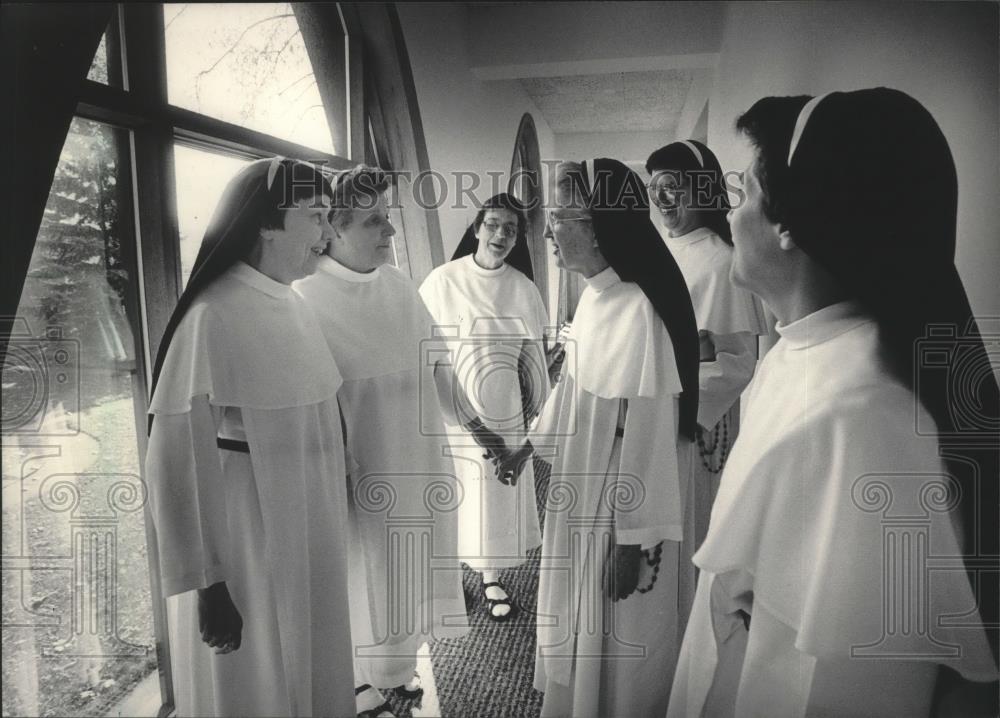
<point>40,374</point>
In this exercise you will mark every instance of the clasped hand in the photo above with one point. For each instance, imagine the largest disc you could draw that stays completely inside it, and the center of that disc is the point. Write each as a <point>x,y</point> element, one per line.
<point>219,621</point>
<point>511,462</point>
<point>621,572</point>
<point>507,463</point>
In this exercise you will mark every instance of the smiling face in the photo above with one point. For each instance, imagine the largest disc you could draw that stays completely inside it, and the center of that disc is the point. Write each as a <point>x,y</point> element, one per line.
<point>293,251</point>
<point>361,238</point>
<point>497,235</point>
<point>670,203</point>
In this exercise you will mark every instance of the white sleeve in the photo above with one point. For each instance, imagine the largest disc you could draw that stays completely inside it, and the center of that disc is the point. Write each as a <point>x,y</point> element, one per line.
<point>429,293</point>
<point>541,313</point>
<point>648,494</point>
<point>536,351</point>
<point>535,372</point>
<point>721,382</point>
<point>187,495</point>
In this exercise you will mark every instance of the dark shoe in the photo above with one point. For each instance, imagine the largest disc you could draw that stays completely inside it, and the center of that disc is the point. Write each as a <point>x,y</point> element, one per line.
<point>380,711</point>
<point>411,692</point>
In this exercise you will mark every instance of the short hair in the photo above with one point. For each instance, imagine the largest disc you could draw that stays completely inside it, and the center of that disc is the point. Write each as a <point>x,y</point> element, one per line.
<point>507,202</point>
<point>520,255</point>
<point>769,125</point>
<point>357,188</point>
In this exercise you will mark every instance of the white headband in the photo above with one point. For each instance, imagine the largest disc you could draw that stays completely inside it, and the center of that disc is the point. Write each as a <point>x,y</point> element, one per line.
<point>272,170</point>
<point>800,124</point>
<point>694,150</point>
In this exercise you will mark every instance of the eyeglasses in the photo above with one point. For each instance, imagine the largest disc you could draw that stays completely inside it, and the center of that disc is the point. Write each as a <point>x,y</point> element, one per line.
<point>553,220</point>
<point>664,194</point>
<point>494,228</point>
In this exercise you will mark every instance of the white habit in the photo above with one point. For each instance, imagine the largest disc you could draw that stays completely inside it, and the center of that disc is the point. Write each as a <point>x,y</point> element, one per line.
<point>493,321</point>
<point>735,318</point>
<point>405,576</point>
<point>248,363</point>
<point>832,535</point>
<point>610,430</point>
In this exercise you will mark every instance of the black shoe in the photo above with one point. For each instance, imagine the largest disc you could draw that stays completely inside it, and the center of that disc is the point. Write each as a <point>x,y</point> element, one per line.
<point>408,693</point>
<point>380,711</point>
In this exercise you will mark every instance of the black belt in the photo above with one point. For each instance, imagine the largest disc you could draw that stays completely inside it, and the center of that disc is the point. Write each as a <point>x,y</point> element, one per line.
<point>232,445</point>
<point>620,432</point>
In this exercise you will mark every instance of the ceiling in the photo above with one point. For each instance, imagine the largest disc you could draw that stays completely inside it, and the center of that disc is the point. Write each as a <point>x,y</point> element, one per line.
<point>615,75</point>
<point>638,101</point>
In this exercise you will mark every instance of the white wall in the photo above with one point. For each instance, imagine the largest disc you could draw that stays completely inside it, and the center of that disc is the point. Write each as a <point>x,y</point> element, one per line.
<point>470,125</point>
<point>624,146</point>
<point>943,54</point>
<point>543,32</point>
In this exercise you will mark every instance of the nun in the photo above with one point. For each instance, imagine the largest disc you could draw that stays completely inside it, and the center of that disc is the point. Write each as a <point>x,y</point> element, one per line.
<point>245,464</point>
<point>618,430</point>
<point>688,207</point>
<point>832,575</point>
<point>492,314</point>
<point>403,488</point>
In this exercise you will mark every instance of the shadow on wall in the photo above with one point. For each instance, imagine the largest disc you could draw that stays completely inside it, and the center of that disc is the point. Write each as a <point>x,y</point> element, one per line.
<point>943,54</point>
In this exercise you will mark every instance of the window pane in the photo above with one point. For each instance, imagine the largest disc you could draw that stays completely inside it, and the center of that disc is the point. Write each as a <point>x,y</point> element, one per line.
<point>201,177</point>
<point>77,615</point>
<point>400,257</point>
<point>246,64</point>
<point>99,67</point>
<point>106,67</point>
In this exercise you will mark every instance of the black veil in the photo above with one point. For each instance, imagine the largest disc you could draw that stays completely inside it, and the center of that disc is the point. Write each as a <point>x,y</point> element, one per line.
<point>699,164</point>
<point>252,200</point>
<point>873,198</point>
<point>620,210</point>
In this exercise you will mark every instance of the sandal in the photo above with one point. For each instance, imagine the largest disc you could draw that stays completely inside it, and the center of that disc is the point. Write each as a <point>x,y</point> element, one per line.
<point>407,692</point>
<point>492,603</point>
<point>384,710</point>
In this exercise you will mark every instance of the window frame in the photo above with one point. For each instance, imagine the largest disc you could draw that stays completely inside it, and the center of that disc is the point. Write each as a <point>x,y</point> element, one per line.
<point>137,62</point>
<point>526,161</point>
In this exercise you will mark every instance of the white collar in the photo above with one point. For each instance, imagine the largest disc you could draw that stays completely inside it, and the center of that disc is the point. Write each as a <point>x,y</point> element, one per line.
<point>822,325</point>
<point>250,276</point>
<point>483,271</point>
<point>331,266</point>
<point>695,235</point>
<point>603,279</point>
